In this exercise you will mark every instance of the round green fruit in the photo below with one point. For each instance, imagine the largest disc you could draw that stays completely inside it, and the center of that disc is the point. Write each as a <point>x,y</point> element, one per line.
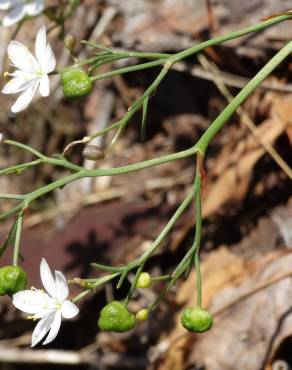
<point>76,83</point>
<point>12,280</point>
<point>196,319</point>
<point>116,317</point>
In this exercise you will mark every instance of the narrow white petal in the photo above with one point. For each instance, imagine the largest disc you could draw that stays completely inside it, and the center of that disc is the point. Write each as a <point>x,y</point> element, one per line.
<point>50,61</point>
<point>5,4</point>
<point>41,329</point>
<point>69,309</point>
<point>22,58</point>
<point>34,8</point>
<point>25,98</point>
<point>14,16</point>
<point>62,289</point>
<point>45,86</point>
<point>47,278</point>
<point>41,45</point>
<point>55,327</point>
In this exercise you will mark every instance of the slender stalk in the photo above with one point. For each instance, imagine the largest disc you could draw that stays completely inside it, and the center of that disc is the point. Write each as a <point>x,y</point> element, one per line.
<point>17,239</point>
<point>120,71</point>
<point>232,35</point>
<point>219,122</point>
<point>20,167</point>
<point>12,196</point>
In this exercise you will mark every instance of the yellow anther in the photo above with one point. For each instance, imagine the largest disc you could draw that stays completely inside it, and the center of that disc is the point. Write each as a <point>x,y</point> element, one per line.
<point>5,74</point>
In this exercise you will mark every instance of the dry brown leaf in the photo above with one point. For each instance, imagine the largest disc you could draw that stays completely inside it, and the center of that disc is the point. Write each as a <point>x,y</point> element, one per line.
<point>232,184</point>
<point>220,270</point>
<point>247,333</point>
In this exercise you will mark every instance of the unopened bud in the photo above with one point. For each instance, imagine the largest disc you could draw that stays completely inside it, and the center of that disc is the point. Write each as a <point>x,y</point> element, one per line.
<point>144,280</point>
<point>70,42</point>
<point>93,153</point>
<point>142,314</point>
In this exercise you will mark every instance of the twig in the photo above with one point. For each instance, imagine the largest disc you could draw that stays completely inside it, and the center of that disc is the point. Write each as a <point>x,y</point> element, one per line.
<point>228,79</point>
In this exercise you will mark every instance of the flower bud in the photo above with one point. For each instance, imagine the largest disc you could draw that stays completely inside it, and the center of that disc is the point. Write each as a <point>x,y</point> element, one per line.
<point>116,317</point>
<point>142,314</point>
<point>144,280</point>
<point>196,319</point>
<point>12,280</point>
<point>70,42</point>
<point>93,153</point>
<point>76,83</point>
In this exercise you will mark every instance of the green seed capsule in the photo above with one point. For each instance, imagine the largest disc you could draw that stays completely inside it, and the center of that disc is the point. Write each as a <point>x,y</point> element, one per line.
<point>144,280</point>
<point>12,280</point>
<point>142,314</point>
<point>196,319</point>
<point>75,83</point>
<point>116,317</point>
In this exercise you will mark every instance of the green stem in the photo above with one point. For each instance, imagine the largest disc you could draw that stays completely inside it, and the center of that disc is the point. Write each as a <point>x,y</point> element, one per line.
<point>198,279</point>
<point>120,71</point>
<point>232,35</point>
<point>17,239</point>
<point>12,196</point>
<point>27,148</point>
<point>134,283</point>
<point>20,167</point>
<point>204,141</point>
<point>164,232</point>
<point>138,103</point>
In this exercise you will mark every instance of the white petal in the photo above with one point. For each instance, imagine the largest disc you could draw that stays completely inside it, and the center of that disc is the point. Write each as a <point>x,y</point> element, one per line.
<point>34,8</point>
<point>30,301</point>
<point>5,4</point>
<point>55,327</point>
<point>44,53</point>
<point>17,84</point>
<point>22,58</point>
<point>69,309</point>
<point>25,98</point>
<point>62,289</point>
<point>41,329</point>
<point>14,15</point>
<point>41,45</point>
<point>47,278</point>
<point>50,60</point>
<point>45,86</point>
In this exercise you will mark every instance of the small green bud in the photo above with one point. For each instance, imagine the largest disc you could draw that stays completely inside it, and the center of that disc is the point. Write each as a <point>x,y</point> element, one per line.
<point>142,314</point>
<point>12,280</point>
<point>196,319</point>
<point>93,153</point>
<point>144,280</point>
<point>116,317</point>
<point>76,83</point>
<point>70,42</point>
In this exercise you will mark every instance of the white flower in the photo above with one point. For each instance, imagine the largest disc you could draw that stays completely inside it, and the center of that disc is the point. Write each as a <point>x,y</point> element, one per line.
<point>18,9</point>
<point>1,137</point>
<point>49,307</point>
<point>31,73</point>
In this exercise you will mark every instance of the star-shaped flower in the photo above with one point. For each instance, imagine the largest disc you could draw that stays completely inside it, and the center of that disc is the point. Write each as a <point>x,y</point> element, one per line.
<point>48,306</point>
<point>31,73</point>
<point>18,9</point>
